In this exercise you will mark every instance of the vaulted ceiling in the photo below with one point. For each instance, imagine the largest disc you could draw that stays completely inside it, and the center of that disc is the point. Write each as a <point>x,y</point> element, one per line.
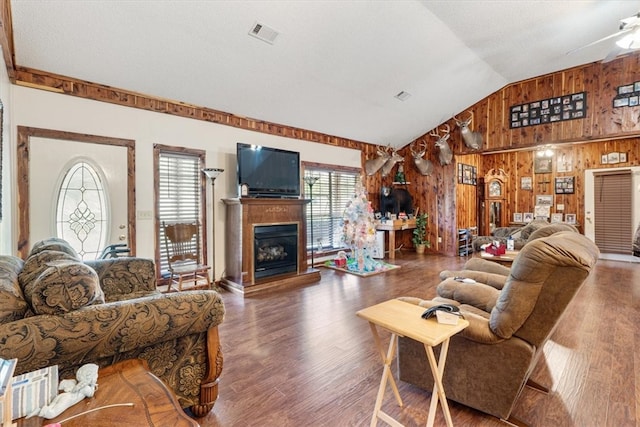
<point>334,67</point>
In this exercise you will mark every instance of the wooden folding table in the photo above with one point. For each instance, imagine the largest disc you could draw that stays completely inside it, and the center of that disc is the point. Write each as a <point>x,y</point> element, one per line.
<point>404,319</point>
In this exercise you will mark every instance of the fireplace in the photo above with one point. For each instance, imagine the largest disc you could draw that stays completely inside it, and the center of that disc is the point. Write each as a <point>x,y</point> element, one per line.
<point>265,245</point>
<point>275,249</point>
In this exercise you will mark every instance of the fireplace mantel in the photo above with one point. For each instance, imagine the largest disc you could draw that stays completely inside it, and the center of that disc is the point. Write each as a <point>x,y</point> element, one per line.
<point>243,215</point>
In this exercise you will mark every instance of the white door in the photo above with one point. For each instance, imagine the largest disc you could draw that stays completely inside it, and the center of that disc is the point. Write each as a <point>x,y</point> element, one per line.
<point>49,161</point>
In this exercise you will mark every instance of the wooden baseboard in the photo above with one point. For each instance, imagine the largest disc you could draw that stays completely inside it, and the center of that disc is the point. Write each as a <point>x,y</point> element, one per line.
<point>310,276</point>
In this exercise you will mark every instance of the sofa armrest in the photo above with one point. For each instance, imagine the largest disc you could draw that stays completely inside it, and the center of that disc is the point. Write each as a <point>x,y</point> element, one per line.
<point>477,295</point>
<point>125,278</point>
<point>479,264</point>
<point>479,329</point>
<point>496,281</point>
<point>106,330</point>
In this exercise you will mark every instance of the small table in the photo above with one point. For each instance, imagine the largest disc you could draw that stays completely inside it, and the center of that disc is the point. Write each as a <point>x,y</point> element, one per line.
<point>391,227</point>
<point>404,319</point>
<point>505,259</point>
<point>129,381</point>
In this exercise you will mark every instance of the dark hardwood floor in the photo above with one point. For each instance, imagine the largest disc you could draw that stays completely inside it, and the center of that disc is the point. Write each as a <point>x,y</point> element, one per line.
<point>301,357</point>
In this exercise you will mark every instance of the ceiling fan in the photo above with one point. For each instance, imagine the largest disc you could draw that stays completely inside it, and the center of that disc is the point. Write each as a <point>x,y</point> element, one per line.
<point>628,38</point>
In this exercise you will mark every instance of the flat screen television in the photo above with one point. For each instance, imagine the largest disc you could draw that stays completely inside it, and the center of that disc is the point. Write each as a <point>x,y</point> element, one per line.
<point>268,172</point>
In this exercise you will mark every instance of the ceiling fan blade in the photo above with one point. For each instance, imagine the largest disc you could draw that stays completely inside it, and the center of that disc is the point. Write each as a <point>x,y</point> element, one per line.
<point>613,54</point>
<point>619,33</point>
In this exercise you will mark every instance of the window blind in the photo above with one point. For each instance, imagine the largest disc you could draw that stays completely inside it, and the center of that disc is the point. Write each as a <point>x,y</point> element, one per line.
<point>178,194</point>
<point>613,226</point>
<point>331,193</point>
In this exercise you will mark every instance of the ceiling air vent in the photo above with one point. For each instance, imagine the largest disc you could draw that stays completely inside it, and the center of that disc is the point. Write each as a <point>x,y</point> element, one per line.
<point>264,33</point>
<point>402,96</point>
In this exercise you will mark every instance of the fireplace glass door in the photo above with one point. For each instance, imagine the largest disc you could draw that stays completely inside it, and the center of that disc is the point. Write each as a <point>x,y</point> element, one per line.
<point>275,249</point>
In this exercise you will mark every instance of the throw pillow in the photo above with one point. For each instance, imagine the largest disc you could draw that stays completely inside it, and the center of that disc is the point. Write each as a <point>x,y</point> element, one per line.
<point>13,306</point>
<point>64,286</point>
<point>54,244</point>
<point>37,263</point>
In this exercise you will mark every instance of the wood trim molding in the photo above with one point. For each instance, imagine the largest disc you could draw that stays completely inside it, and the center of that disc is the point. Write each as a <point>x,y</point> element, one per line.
<point>6,38</point>
<point>24,136</point>
<point>69,86</point>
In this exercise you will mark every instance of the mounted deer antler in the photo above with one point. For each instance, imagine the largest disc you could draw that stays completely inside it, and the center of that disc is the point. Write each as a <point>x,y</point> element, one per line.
<point>471,139</point>
<point>425,167</point>
<point>391,162</point>
<point>445,155</point>
<point>372,166</point>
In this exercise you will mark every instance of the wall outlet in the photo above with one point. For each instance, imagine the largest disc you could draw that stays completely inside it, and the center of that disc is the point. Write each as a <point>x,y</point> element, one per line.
<point>559,207</point>
<point>439,239</point>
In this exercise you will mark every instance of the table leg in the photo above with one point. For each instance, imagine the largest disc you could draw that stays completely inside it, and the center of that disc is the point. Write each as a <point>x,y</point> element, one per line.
<point>437,370</point>
<point>392,244</point>
<point>386,377</point>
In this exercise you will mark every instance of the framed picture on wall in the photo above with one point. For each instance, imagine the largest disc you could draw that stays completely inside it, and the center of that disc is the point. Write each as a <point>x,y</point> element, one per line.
<point>526,183</point>
<point>542,211</point>
<point>570,218</point>
<point>563,164</point>
<point>556,217</point>
<point>544,200</point>
<point>517,217</point>
<point>527,217</point>
<point>542,165</point>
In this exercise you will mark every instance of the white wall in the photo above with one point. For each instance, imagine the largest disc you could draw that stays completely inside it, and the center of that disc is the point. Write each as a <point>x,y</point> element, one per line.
<point>37,108</point>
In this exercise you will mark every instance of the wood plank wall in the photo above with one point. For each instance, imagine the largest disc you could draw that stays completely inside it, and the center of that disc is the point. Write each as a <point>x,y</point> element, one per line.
<point>582,142</point>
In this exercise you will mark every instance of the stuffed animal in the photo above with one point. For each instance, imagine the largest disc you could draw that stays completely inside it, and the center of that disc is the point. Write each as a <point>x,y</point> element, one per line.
<point>395,201</point>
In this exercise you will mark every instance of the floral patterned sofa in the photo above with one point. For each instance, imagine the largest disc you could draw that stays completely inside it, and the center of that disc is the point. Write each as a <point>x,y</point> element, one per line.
<point>58,310</point>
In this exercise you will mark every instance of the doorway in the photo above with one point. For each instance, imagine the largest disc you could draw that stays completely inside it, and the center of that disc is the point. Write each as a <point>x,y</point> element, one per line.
<point>44,155</point>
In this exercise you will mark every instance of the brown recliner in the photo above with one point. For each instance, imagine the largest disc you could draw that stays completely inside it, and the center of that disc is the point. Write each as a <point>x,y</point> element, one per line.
<point>489,362</point>
<point>493,274</point>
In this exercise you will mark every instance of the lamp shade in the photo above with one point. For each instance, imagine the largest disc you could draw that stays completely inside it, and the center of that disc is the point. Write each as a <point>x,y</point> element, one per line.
<point>212,173</point>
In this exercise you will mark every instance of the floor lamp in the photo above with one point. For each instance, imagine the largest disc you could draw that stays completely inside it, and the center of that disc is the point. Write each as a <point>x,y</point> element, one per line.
<point>310,180</point>
<point>212,174</point>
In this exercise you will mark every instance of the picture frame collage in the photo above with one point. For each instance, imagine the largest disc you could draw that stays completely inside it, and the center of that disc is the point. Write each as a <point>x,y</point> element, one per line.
<point>556,109</point>
<point>613,158</point>
<point>542,210</point>
<point>627,95</point>
<point>565,185</point>
<point>526,217</point>
<point>523,218</point>
<point>467,174</point>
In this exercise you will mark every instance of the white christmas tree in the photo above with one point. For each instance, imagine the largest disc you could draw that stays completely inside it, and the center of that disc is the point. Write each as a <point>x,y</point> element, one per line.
<point>359,231</point>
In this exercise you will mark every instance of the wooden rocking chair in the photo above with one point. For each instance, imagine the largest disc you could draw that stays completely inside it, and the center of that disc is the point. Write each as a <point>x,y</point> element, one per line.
<point>182,243</point>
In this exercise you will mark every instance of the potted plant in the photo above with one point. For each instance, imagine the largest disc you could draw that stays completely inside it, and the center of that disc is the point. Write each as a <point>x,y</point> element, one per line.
<point>420,241</point>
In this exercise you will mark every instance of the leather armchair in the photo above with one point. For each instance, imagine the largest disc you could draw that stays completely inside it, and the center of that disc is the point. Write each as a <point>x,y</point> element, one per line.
<point>489,362</point>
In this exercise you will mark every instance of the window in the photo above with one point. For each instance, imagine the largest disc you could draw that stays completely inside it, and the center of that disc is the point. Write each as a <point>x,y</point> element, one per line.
<point>81,210</point>
<point>179,192</point>
<point>332,191</point>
